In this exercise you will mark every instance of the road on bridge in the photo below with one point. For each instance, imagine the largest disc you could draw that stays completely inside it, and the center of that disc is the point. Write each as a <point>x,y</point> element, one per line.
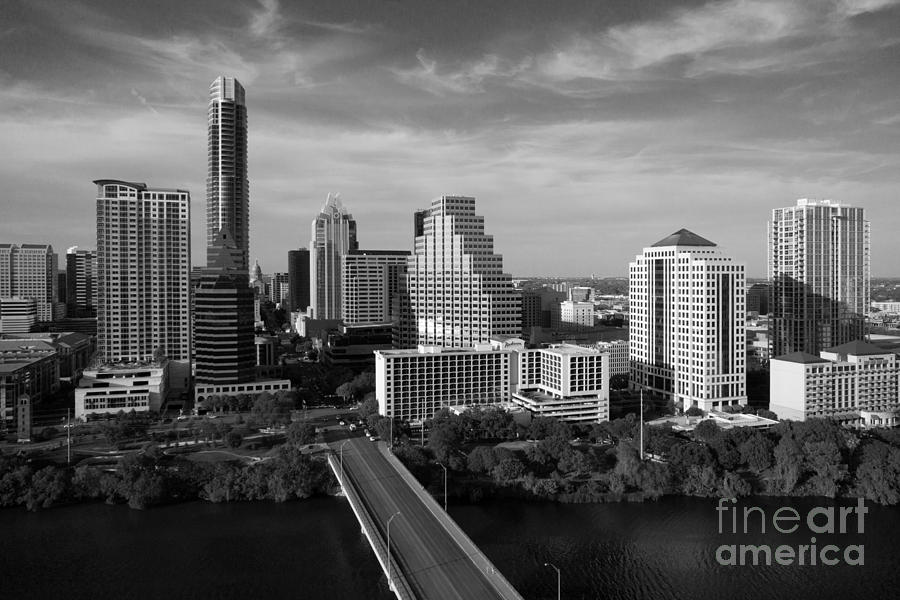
<point>434,564</point>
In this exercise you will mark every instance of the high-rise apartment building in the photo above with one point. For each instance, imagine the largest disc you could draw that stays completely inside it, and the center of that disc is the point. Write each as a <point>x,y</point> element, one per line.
<point>81,282</point>
<point>370,285</point>
<point>30,271</point>
<point>819,271</point>
<point>333,236</point>
<point>227,187</point>
<point>298,280</point>
<point>143,272</point>
<point>686,337</point>
<point>223,318</point>
<point>456,293</point>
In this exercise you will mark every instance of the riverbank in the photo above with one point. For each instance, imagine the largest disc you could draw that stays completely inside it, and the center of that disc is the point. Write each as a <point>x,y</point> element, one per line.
<point>149,477</point>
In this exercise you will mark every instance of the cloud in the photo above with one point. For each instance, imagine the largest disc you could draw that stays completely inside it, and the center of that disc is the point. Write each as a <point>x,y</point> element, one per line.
<point>266,21</point>
<point>467,78</point>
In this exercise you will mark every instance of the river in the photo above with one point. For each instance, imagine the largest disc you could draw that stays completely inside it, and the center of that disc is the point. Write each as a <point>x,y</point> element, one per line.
<point>314,550</point>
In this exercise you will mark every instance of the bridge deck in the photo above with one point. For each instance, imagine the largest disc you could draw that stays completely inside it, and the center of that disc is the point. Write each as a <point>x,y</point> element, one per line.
<point>431,558</point>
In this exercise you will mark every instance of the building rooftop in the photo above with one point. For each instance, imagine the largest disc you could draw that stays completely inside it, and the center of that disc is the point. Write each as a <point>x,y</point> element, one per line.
<point>804,358</point>
<point>683,237</point>
<point>857,348</point>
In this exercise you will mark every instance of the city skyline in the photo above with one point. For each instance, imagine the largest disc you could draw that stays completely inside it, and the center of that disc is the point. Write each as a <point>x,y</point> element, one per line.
<point>638,120</point>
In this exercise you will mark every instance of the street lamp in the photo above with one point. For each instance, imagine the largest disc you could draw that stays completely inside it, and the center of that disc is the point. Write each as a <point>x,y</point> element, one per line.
<point>342,463</point>
<point>558,580</point>
<point>445,484</point>
<point>390,581</point>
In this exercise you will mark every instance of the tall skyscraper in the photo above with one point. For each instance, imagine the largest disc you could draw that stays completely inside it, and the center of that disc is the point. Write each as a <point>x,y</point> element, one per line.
<point>227,187</point>
<point>298,279</point>
<point>30,271</point>
<point>223,318</point>
<point>455,293</point>
<point>81,282</point>
<point>333,236</point>
<point>370,285</point>
<point>686,299</point>
<point>143,272</point>
<point>819,271</point>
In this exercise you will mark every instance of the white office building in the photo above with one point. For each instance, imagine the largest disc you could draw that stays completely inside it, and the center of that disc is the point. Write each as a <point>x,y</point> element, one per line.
<point>819,268</point>
<point>567,382</point>
<point>687,319</point>
<point>140,387</point>
<point>856,383</point>
<point>456,293</point>
<point>576,315</point>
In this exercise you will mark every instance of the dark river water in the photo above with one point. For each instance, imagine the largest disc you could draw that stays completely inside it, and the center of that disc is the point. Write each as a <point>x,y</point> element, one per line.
<point>314,549</point>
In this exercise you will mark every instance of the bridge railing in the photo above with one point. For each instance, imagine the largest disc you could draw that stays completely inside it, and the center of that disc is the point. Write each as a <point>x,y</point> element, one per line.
<point>500,583</point>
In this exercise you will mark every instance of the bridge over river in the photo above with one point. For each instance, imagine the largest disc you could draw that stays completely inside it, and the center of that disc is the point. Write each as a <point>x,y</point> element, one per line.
<point>428,556</point>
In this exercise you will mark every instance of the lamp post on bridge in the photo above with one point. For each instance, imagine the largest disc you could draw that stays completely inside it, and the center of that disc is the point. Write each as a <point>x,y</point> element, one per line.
<point>445,483</point>
<point>390,580</point>
<point>558,580</point>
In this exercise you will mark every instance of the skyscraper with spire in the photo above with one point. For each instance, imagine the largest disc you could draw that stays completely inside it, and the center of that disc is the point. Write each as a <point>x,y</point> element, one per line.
<point>333,236</point>
<point>227,187</point>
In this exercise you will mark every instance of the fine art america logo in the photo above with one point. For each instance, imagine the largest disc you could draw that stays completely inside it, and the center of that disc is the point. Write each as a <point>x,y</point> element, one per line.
<point>820,520</point>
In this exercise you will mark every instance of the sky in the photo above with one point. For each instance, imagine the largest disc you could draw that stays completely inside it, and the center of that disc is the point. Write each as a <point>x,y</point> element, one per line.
<point>586,130</point>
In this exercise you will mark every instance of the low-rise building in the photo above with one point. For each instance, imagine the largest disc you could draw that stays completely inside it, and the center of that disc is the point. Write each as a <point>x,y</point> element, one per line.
<point>252,388</point>
<point>568,382</point>
<point>565,381</point>
<point>35,375</point>
<point>141,387</point>
<point>414,384</point>
<point>856,383</point>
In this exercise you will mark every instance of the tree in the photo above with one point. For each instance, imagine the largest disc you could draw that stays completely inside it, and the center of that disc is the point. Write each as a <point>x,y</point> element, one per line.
<point>270,409</point>
<point>706,431</point>
<point>481,459</point>
<point>619,381</point>
<point>878,472</point>
<point>766,414</point>
<point>788,464</point>
<point>234,439</point>
<point>508,469</point>
<point>694,411</point>
<point>345,391</point>
<point>369,406</point>
<point>734,486</point>
<point>756,452</point>
<point>301,433</point>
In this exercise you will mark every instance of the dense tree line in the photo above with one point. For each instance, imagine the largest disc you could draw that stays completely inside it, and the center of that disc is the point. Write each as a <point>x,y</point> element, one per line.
<point>812,458</point>
<point>146,478</point>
